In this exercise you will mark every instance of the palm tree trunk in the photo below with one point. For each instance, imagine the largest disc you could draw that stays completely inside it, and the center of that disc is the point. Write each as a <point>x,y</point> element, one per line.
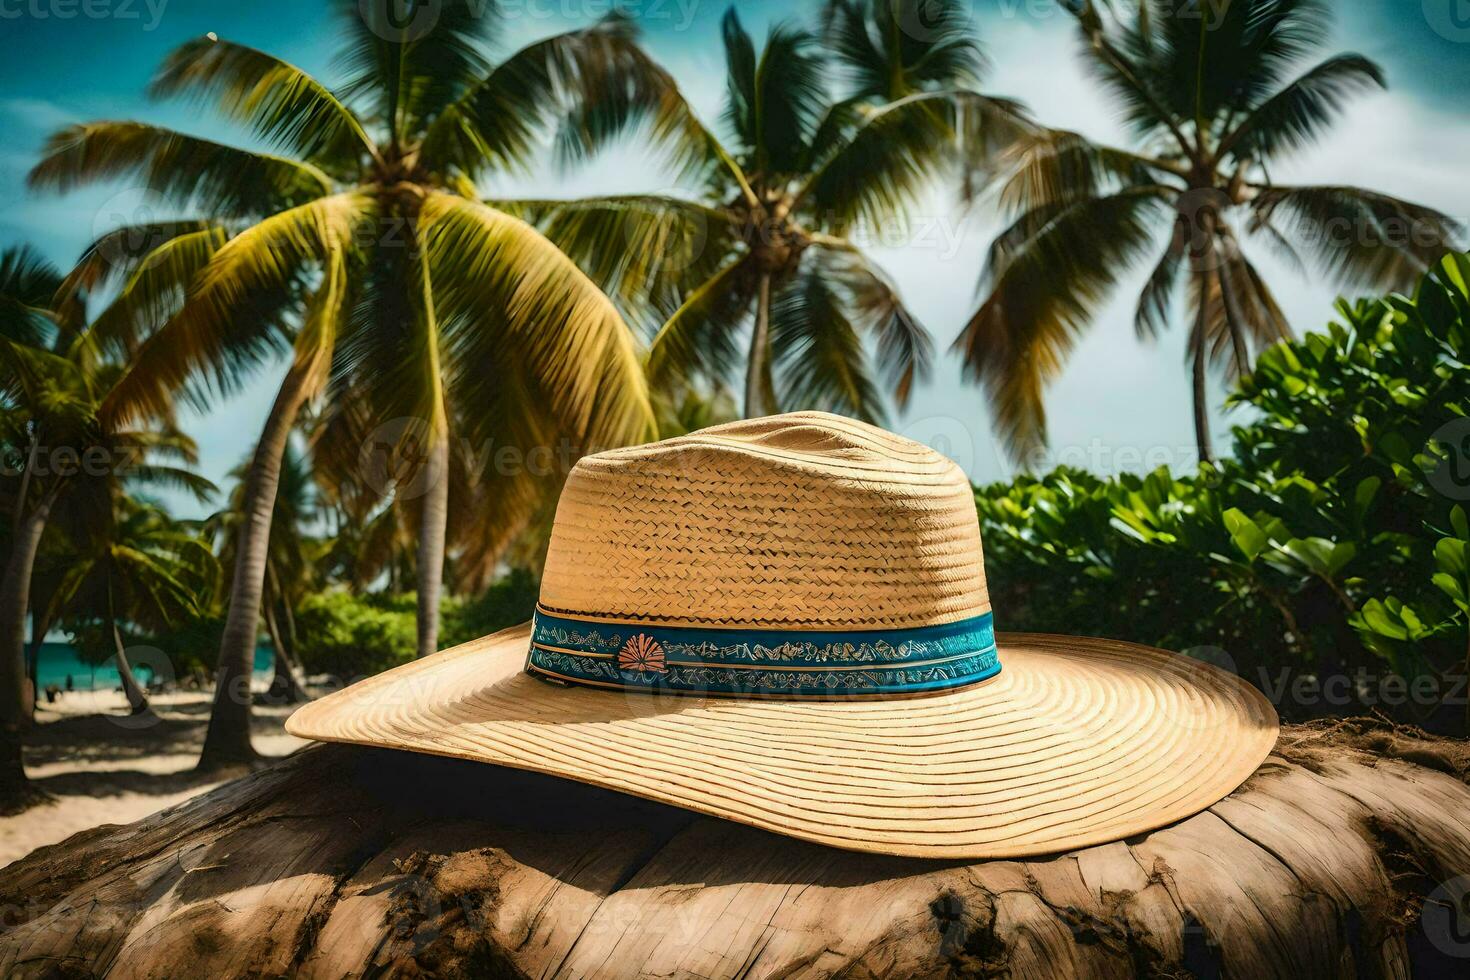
<point>293,662</point>
<point>284,687</point>
<point>228,740</point>
<point>137,697</point>
<point>1198,358</point>
<point>40,626</point>
<point>432,523</point>
<point>760,345</point>
<point>15,708</point>
<point>1234,316</point>
<point>290,620</point>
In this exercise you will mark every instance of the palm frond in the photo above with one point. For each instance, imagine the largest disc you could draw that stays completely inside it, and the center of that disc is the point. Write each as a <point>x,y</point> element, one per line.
<point>905,350</point>
<point>1355,236</point>
<point>610,87</point>
<point>219,327</point>
<point>775,101</point>
<point>502,285</point>
<point>192,173</point>
<point>115,254</point>
<point>875,172</point>
<point>153,292</point>
<point>698,339</point>
<point>153,475</point>
<point>1127,59</point>
<point>1298,114</point>
<point>641,249</point>
<point>820,362</point>
<point>411,59</point>
<point>1205,61</point>
<point>1052,166</point>
<point>28,290</point>
<point>892,48</point>
<point>278,101</point>
<point>1045,277</point>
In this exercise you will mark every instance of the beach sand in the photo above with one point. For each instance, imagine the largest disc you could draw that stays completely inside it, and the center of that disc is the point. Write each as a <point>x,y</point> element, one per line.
<point>101,769</point>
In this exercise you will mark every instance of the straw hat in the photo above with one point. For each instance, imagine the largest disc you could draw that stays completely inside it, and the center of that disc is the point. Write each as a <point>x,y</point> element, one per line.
<point>784,622</point>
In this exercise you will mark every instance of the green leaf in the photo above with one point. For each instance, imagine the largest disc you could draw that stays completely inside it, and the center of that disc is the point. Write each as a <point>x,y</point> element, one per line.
<point>1449,555</point>
<point>1248,537</point>
<point>1320,556</point>
<point>1363,496</point>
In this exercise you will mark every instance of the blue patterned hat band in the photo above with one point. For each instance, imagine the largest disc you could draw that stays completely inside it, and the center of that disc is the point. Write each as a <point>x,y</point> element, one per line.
<point>783,663</point>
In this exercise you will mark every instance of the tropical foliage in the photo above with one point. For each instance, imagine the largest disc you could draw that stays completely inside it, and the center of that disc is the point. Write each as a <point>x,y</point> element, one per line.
<point>73,466</point>
<point>360,248</point>
<point>1215,98</point>
<point>763,252</point>
<point>348,636</point>
<point>132,565</point>
<point>1331,546</point>
<point>425,330</point>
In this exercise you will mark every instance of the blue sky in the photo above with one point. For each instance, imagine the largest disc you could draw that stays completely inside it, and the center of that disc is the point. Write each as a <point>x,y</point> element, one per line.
<point>1122,405</point>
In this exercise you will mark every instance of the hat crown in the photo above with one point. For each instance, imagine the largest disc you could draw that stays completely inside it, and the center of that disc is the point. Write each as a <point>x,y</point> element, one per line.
<point>804,521</point>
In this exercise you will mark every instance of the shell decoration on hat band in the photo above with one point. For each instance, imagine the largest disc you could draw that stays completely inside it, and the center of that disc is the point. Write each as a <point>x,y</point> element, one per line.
<point>805,556</point>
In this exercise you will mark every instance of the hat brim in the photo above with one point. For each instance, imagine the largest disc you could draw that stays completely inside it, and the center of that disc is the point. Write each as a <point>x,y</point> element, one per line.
<point>1076,742</point>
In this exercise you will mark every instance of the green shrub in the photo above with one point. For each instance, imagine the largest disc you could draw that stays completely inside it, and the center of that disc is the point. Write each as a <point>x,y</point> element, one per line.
<point>1331,546</point>
<point>507,602</point>
<point>350,636</point>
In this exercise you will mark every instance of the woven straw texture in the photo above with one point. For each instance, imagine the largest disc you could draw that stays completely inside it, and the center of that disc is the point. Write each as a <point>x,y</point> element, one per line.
<point>816,521</point>
<point>1075,742</point>
<point>801,520</point>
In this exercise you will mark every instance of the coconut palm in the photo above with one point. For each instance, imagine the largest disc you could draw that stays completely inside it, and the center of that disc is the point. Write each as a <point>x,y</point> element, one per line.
<point>1214,99</point>
<point>132,564</point>
<point>288,570</point>
<point>72,464</point>
<point>362,247</point>
<point>766,250</point>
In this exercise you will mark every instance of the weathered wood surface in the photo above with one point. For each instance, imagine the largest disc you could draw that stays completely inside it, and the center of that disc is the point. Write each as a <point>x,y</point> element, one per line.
<point>357,862</point>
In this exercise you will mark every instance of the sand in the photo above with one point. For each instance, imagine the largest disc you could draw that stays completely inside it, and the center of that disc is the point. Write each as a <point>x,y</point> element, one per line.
<point>100,769</point>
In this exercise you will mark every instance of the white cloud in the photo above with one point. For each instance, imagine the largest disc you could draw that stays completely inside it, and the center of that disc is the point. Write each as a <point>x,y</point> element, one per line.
<point>38,114</point>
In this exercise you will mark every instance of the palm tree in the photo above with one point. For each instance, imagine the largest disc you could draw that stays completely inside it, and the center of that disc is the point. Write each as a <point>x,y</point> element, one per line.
<point>73,464</point>
<point>766,248</point>
<point>1214,102</point>
<point>288,570</point>
<point>133,564</point>
<point>362,246</point>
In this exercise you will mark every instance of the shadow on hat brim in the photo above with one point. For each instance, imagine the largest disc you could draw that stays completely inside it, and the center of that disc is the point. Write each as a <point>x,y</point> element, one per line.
<point>1076,742</point>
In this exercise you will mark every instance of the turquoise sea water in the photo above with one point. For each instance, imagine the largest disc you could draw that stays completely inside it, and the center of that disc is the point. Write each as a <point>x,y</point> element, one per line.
<point>57,660</point>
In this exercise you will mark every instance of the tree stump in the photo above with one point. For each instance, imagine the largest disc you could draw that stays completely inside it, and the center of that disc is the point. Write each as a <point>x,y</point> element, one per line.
<point>1342,856</point>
